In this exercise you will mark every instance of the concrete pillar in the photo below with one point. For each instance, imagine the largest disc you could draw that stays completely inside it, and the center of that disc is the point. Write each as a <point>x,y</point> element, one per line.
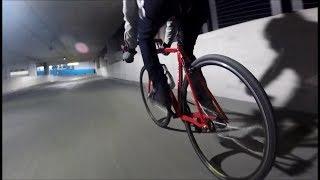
<point>97,63</point>
<point>285,6</point>
<point>32,68</point>
<point>213,14</point>
<point>97,66</point>
<point>5,71</point>
<point>205,28</point>
<point>103,67</point>
<point>297,5</point>
<point>275,7</point>
<point>46,68</point>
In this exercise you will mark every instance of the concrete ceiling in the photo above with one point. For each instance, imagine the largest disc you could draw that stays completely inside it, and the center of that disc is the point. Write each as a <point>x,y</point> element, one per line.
<point>48,31</point>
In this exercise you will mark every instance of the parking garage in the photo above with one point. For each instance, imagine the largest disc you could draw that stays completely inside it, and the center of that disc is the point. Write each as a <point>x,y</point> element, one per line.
<point>72,109</point>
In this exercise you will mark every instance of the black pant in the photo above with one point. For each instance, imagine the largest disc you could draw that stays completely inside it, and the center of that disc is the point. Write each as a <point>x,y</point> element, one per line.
<point>190,16</point>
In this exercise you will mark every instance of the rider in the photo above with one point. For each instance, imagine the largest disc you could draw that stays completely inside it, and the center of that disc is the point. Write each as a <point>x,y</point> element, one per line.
<point>190,15</point>
<point>131,17</point>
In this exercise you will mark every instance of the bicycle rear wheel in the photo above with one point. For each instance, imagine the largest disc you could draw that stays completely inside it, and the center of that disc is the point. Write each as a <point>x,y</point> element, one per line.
<point>159,115</point>
<point>245,149</point>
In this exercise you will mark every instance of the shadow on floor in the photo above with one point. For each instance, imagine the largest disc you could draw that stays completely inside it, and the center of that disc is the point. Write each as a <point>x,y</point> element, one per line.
<point>295,130</point>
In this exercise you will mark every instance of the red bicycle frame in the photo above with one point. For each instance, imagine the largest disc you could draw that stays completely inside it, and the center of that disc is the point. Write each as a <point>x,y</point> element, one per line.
<point>199,119</point>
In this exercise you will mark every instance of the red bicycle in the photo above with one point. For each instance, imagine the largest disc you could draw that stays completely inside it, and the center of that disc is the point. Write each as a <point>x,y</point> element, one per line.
<point>242,133</point>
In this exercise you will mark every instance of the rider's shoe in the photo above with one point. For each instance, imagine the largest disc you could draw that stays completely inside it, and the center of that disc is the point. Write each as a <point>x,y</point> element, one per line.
<point>208,108</point>
<point>201,90</point>
<point>128,55</point>
<point>161,94</point>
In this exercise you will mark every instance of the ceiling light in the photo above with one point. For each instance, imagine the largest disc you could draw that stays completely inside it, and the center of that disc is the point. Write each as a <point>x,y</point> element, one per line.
<point>73,64</point>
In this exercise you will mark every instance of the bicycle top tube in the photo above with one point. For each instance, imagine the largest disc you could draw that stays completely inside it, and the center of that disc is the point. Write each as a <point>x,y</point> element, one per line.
<point>170,50</point>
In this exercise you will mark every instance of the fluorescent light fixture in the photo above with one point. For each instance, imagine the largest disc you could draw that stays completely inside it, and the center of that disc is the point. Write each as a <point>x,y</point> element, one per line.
<point>73,64</point>
<point>19,73</point>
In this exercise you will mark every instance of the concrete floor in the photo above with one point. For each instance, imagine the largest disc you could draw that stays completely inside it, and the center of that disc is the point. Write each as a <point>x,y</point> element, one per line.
<point>99,129</point>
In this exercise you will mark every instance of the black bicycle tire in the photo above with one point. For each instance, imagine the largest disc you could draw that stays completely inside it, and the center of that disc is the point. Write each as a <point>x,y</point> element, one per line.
<point>258,92</point>
<point>167,120</point>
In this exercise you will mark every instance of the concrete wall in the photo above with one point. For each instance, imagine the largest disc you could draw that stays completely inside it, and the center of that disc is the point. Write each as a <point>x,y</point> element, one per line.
<point>32,68</point>
<point>29,66</point>
<point>13,84</point>
<point>17,83</point>
<point>281,52</point>
<point>5,71</point>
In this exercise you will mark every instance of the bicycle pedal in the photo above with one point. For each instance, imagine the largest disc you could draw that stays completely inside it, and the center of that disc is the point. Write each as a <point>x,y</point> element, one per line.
<point>211,127</point>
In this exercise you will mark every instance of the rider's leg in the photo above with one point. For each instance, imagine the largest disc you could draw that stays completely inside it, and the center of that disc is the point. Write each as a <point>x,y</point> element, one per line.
<point>154,15</point>
<point>190,28</point>
<point>130,17</point>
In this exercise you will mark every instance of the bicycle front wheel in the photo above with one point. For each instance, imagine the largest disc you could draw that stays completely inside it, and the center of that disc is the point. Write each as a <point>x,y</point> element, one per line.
<point>159,115</point>
<point>245,148</point>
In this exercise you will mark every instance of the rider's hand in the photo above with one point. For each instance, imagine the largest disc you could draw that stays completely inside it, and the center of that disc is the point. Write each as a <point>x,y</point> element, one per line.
<point>165,45</point>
